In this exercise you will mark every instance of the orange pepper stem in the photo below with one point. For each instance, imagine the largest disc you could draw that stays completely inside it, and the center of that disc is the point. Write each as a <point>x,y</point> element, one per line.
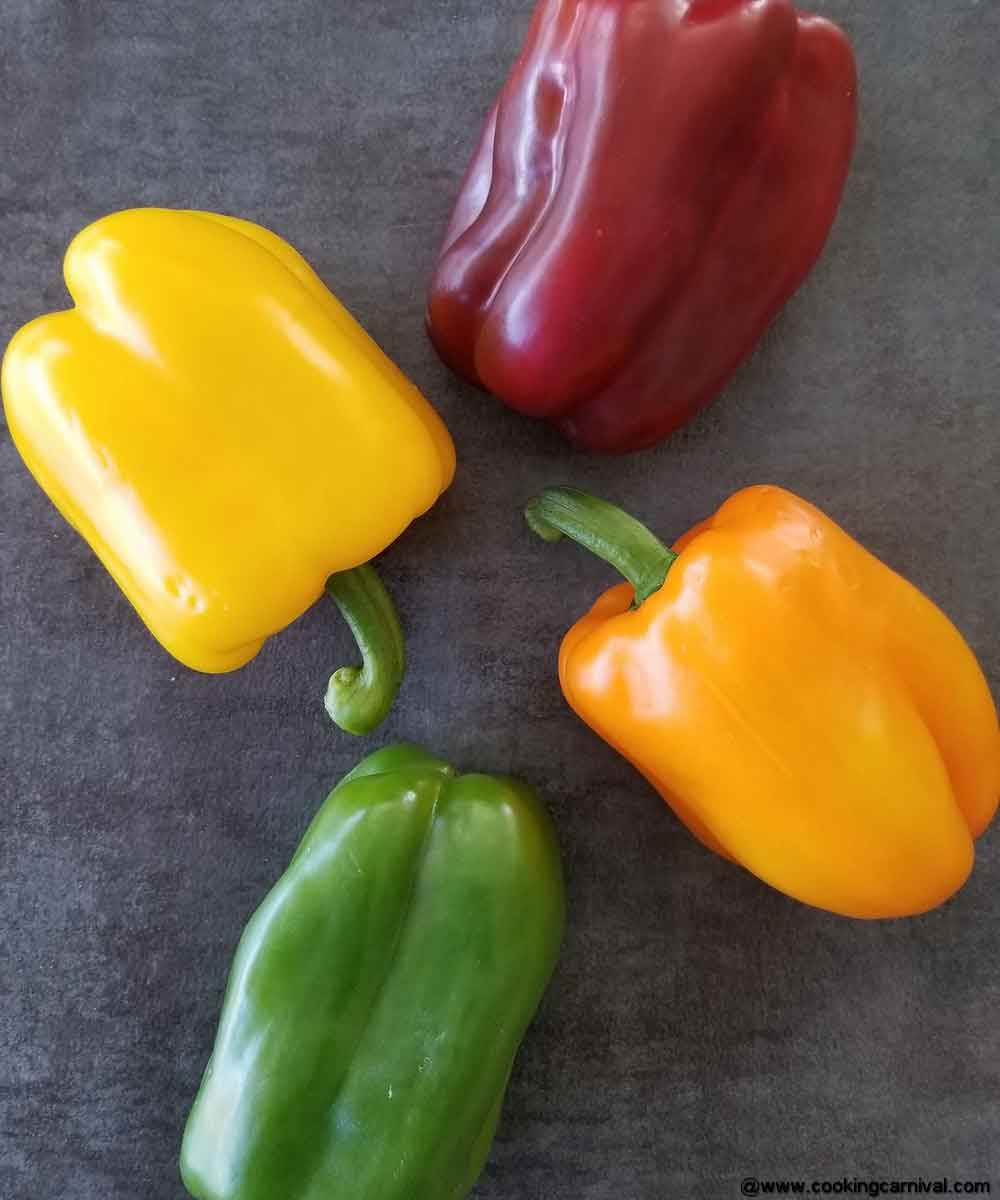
<point>604,530</point>
<point>359,698</point>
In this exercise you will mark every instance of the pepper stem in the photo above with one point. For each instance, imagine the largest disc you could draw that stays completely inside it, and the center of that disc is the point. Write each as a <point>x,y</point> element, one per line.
<point>359,698</point>
<point>604,530</point>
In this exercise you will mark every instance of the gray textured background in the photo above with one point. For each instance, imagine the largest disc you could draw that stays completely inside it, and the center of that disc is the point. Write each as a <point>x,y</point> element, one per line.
<point>700,1027</point>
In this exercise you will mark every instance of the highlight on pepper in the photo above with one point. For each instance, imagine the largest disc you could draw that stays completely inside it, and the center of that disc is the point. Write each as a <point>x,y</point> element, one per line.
<point>652,185</point>
<point>381,991</point>
<point>803,709</point>
<point>228,439</point>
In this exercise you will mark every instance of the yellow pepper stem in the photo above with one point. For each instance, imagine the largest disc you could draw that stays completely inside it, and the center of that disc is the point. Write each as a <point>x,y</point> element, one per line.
<point>359,698</point>
<point>604,530</point>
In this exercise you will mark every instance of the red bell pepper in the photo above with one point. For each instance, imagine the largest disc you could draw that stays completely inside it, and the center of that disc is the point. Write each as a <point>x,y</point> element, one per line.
<point>655,180</point>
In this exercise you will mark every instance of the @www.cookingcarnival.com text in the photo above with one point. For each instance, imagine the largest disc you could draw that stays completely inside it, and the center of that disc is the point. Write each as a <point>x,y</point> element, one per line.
<point>753,1185</point>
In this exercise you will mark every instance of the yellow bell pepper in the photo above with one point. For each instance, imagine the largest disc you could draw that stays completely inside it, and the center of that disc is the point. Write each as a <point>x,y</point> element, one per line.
<point>227,438</point>
<point>803,709</point>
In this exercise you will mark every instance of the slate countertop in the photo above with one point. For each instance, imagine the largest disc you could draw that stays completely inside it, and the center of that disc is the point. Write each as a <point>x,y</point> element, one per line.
<point>700,1028</point>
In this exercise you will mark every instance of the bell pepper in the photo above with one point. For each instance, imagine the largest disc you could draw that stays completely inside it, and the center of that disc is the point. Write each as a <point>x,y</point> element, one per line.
<point>654,182</point>
<point>380,992</point>
<point>803,709</point>
<point>227,438</point>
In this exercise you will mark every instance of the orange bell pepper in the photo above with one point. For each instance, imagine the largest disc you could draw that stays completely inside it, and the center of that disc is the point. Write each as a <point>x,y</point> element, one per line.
<point>803,709</point>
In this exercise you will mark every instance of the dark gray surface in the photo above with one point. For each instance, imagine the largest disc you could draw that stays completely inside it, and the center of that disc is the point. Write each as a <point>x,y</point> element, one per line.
<point>700,1028</point>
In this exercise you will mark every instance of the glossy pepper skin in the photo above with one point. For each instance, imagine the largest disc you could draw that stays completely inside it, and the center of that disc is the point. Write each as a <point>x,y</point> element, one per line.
<point>219,428</point>
<point>803,709</point>
<point>654,182</point>
<point>380,992</point>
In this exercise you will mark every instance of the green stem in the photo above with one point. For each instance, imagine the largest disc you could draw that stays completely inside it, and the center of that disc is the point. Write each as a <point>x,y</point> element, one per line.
<point>606,531</point>
<point>359,698</point>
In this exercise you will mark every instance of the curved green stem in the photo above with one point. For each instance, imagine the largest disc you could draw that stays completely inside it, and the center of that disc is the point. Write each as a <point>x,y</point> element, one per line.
<point>359,698</point>
<point>606,531</point>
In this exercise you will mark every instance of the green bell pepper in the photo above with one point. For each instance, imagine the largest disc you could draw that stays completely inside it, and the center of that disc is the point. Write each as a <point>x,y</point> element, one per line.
<point>380,992</point>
